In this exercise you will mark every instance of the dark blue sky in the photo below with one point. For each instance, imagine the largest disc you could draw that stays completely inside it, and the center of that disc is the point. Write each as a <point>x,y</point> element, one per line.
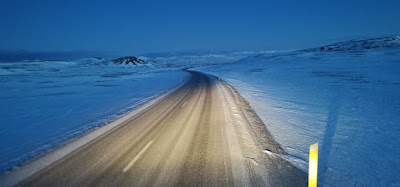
<point>134,27</point>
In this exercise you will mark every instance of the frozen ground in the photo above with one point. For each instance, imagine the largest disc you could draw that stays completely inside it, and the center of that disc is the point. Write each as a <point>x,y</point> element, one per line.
<point>346,97</point>
<point>45,103</point>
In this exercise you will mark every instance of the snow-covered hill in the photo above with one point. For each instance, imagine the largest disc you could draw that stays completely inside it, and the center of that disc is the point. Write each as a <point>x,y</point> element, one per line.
<point>386,42</point>
<point>364,44</point>
<point>346,97</point>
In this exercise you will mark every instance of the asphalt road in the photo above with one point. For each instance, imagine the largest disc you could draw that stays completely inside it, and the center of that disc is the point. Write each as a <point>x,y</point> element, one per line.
<point>201,135</point>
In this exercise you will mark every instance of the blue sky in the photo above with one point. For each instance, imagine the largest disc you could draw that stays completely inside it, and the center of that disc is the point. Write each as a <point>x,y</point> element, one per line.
<point>134,27</point>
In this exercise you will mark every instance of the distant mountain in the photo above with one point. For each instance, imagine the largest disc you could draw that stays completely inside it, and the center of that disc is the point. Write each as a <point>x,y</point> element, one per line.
<point>129,60</point>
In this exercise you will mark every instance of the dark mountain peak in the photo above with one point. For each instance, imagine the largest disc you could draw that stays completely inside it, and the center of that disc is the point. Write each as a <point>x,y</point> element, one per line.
<point>129,60</point>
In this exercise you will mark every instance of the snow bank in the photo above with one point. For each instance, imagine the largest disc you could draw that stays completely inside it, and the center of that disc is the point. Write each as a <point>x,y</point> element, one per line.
<point>347,100</point>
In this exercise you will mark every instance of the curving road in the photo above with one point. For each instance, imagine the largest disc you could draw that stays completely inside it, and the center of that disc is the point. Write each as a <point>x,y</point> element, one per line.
<point>203,134</point>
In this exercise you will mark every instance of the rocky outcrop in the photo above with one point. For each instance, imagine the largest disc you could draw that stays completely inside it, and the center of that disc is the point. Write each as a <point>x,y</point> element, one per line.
<point>129,60</point>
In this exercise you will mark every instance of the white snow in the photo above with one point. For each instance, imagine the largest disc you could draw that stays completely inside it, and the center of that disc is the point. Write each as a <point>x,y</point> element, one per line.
<point>45,103</point>
<point>347,99</point>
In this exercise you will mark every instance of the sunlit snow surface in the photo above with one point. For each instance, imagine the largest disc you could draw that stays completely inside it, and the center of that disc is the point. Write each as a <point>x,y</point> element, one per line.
<point>44,103</point>
<point>347,99</point>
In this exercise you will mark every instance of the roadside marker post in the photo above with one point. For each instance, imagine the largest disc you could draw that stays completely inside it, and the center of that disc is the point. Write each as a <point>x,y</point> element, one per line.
<point>313,166</point>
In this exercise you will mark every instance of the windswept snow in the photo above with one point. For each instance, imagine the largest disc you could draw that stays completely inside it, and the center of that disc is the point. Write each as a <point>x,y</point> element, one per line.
<point>347,98</point>
<point>45,103</point>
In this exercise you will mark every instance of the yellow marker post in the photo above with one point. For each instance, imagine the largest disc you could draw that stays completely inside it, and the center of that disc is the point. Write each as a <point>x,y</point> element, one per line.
<point>313,166</point>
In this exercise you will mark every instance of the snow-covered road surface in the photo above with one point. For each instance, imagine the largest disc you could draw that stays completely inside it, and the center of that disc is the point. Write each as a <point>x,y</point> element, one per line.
<point>204,133</point>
